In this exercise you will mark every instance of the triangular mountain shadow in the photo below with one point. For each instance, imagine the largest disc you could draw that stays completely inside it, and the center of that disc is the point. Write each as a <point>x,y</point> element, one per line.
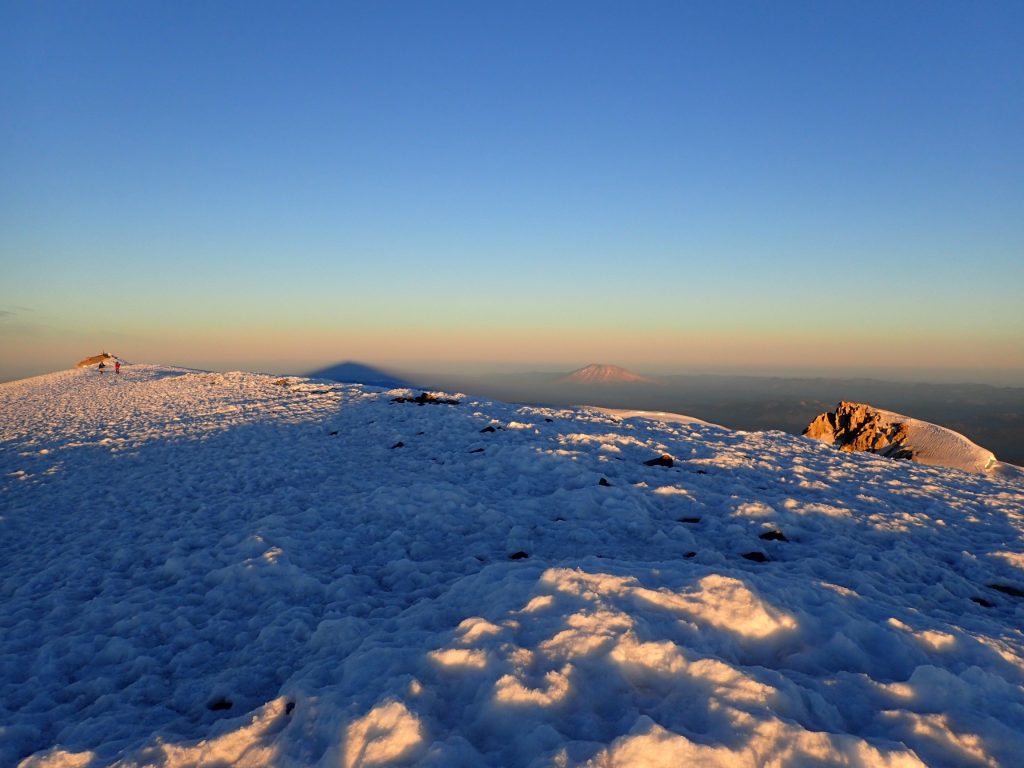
<point>351,372</point>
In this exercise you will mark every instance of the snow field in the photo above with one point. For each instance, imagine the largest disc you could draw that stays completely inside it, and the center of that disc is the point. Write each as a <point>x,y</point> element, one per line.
<point>197,571</point>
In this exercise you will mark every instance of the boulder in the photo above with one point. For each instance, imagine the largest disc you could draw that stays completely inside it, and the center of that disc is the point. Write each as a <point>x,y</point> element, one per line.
<point>859,427</point>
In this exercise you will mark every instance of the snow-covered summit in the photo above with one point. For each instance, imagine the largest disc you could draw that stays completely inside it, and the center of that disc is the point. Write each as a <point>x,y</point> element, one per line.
<point>857,426</point>
<point>603,374</point>
<point>233,569</point>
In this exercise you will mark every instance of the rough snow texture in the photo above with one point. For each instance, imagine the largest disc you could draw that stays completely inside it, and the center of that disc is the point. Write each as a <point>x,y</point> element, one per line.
<point>210,569</point>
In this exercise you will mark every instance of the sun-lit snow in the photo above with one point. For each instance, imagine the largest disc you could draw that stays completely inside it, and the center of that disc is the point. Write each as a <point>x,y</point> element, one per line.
<point>223,569</point>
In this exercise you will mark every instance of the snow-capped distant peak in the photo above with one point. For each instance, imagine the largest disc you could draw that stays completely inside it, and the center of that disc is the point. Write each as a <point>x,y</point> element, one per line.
<point>604,374</point>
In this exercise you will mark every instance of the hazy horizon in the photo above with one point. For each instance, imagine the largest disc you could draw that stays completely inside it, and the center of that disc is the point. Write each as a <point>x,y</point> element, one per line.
<point>12,370</point>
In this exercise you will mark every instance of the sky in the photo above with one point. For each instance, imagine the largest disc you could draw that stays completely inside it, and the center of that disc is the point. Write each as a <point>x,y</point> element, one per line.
<point>674,187</point>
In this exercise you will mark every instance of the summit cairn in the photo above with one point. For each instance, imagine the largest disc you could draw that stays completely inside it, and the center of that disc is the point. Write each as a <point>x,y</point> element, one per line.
<point>103,357</point>
<point>859,427</point>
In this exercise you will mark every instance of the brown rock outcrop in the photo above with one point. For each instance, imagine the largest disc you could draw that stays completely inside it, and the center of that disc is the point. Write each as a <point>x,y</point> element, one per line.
<point>94,360</point>
<point>859,427</point>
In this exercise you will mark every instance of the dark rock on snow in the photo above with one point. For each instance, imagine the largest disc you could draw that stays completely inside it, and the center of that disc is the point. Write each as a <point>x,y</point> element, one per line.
<point>662,461</point>
<point>1007,589</point>
<point>426,398</point>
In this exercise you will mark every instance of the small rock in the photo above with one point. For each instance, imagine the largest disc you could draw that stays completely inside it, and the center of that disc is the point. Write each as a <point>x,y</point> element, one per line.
<point>688,555</point>
<point>1007,589</point>
<point>520,555</point>
<point>332,434</point>
<point>218,704</point>
<point>662,461</point>
<point>757,557</point>
<point>488,428</point>
<point>689,519</point>
<point>477,450</point>
<point>426,398</point>
<point>604,481</point>
<point>773,536</point>
<point>399,444</point>
<point>702,471</point>
<point>549,420</point>
<point>982,602</point>
<point>289,707</point>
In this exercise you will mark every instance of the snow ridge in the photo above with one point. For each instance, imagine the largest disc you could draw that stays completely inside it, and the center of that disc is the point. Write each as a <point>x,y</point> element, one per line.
<point>210,569</point>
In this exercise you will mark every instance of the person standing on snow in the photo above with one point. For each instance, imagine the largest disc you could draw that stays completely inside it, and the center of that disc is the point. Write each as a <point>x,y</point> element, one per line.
<point>102,367</point>
<point>117,366</point>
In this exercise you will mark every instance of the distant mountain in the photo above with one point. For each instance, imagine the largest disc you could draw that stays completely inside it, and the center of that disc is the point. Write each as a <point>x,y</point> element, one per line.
<point>604,374</point>
<point>351,372</point>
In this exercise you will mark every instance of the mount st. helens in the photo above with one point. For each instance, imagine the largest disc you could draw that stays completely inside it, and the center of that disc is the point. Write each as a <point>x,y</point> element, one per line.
<point>603,374</point>
<point>238,569</point>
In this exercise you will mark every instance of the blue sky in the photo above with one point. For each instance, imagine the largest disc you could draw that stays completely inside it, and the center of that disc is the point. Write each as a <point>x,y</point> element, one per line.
<point>756,185</point>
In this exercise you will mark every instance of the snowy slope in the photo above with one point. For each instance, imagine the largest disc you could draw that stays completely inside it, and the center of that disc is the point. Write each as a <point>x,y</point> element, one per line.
<point>210,569</point>
<point>942,447</point>
<point>664,416</point>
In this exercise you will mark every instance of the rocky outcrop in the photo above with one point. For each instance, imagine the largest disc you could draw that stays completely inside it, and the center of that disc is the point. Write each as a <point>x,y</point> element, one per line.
<point>859,427</point>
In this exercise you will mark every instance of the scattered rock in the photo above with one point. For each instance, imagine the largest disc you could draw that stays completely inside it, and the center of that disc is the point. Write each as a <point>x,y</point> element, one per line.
<point>548,420</point>
<point>220,703</point>
<point>604,481</point>
<point>982,602</point>
<point>332,434</point>
<point>665,460</point>
<point>689,555</point>
<point>1008,589</point>
<point>281,383</point>
<point>757,557</point>
<point>859,427</point>
<point>520,555</point>
<point>773,536</point>
<point>488,428</point>
<point>477,450</point>
<point>426,398</point>
<point>689,519</point>
<point>399,444</point>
